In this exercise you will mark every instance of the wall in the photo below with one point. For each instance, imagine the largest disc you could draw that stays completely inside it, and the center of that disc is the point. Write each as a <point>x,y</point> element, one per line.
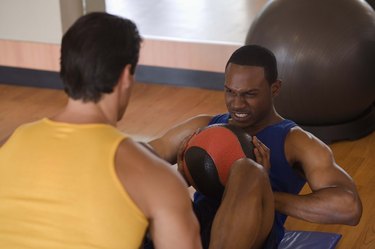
<point>30,34</point>
<point>25,20</point>
<point>31,31</point>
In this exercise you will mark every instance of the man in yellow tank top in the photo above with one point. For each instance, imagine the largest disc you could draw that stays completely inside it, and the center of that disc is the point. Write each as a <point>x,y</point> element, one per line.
<point>73,180</point>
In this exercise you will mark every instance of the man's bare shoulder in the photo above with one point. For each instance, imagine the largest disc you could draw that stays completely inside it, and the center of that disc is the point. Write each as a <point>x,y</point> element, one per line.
<point>133,155</point>
<point>149,180</point>
<point>298,136</point>
<point>305,148</point>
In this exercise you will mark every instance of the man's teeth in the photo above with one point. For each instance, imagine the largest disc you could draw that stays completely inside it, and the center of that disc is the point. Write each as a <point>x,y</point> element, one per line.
<point>241,115</point>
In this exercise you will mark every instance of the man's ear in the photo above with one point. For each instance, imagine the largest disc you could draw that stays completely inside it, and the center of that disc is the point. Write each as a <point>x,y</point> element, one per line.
<point>126,78</point>
<point>275,88</point>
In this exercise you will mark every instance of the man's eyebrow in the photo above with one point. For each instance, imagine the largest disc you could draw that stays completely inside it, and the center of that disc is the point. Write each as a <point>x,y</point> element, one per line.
<point>243,91</point>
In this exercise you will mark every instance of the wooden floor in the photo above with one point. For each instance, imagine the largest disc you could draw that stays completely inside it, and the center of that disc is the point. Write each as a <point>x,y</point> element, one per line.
<point>154,108</point>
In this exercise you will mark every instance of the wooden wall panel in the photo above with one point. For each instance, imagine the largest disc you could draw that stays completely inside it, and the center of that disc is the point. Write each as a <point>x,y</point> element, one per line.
<point>32,55</point>
<point>155,52</point>
<point>192,55</point>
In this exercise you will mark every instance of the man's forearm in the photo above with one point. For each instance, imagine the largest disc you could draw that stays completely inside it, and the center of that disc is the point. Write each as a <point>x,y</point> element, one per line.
<point>330,206</point>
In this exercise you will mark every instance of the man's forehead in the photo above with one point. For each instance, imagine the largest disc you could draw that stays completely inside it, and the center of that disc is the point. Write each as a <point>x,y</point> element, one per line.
<point>244,67</point>
<point>244,73</point>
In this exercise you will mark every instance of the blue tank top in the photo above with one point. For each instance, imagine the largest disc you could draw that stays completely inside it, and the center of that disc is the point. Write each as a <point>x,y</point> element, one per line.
<point>282,176</point>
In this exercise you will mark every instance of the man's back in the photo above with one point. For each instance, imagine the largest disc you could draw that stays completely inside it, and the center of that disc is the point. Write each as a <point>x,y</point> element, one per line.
<point>59,189</point>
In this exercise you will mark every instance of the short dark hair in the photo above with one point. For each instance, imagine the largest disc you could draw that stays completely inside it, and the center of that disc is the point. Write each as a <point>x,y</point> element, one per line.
<point>94,52</point>
<point>255,55</point>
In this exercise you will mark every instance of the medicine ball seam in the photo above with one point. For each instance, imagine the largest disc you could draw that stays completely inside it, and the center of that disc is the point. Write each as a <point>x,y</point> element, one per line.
<point>243,138</point>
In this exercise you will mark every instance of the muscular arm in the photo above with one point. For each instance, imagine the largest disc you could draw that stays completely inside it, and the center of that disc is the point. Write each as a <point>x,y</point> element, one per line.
<point>167,145</point>
<point>161,195</point>
<point>334,198</point>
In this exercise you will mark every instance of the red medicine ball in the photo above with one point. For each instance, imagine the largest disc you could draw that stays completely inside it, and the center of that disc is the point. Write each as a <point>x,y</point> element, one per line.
<point>209,155</point>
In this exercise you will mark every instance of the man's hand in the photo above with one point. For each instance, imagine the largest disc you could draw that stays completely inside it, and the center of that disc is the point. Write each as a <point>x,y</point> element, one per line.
<point>262,154</point>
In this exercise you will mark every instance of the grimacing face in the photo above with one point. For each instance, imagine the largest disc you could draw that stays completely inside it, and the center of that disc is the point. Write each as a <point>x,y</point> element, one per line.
<point>248,95</point>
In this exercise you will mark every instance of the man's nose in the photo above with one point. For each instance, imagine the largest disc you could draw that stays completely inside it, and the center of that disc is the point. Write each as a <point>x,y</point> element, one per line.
<point>238,101</point>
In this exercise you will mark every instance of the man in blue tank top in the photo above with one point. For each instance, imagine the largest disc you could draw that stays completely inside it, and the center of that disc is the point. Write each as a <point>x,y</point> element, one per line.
<point>260,194</point>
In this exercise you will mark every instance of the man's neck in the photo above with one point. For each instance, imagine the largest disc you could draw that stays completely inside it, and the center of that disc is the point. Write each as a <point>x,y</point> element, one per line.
<point>80,112</point>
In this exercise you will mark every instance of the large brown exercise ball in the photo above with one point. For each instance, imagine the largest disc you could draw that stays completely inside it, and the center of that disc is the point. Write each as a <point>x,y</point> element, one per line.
<point>371,2</point>
<point>326,59</point>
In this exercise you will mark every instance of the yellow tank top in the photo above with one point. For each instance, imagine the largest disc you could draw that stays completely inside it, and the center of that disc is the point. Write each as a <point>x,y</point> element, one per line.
<point>59,189</point>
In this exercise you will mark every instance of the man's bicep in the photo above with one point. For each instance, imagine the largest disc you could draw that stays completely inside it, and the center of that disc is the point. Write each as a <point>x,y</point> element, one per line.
<point>329,176</point>
<point>320,168</point>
